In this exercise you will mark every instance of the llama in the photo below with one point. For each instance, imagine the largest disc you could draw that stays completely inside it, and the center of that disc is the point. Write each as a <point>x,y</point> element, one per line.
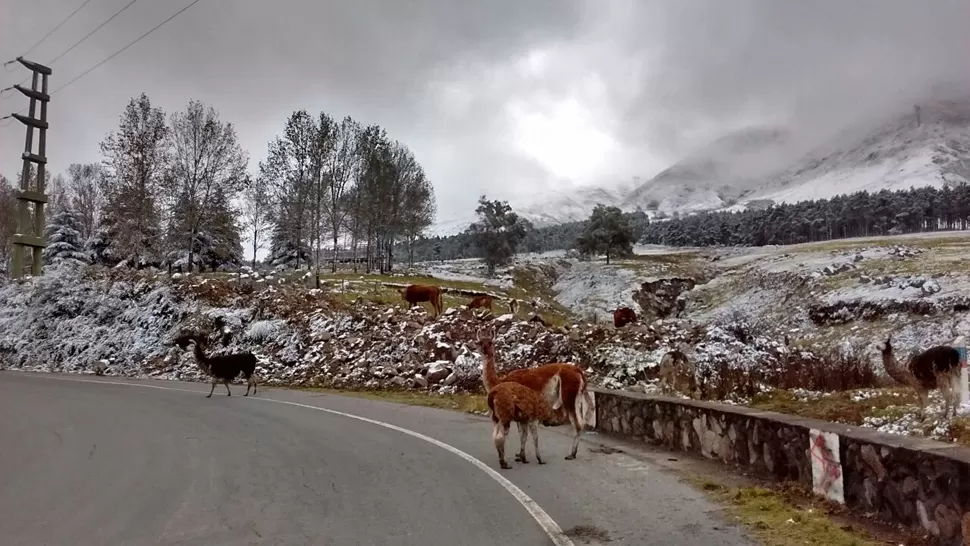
<point>510,401</point>
<point>415,293</point>
<point>935,368</point>
<point>572,378</point>
<point>222,368</point>
<point>623,316</point>
<point>483,301</point>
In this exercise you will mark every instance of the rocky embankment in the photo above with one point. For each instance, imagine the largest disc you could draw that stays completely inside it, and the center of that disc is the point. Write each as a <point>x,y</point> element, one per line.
<point>80,319</point>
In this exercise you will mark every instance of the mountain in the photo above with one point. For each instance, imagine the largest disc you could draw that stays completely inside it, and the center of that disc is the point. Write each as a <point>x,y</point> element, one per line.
<point>762,165</point>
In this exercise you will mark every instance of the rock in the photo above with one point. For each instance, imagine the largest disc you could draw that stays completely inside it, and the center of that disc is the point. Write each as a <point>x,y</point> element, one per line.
<point>660,299</point>
<point>930,287</point>
<point>451,379</point>
<point>419,382</point>
<point>437,371</point>
<point>398,381</point>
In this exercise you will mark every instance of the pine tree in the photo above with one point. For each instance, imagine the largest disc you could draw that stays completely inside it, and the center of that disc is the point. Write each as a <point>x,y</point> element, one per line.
<point>64,239</point>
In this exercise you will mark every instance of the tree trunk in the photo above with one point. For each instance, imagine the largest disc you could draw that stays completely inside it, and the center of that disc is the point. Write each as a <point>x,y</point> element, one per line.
<point>333,266</point>
<point>191,248</point>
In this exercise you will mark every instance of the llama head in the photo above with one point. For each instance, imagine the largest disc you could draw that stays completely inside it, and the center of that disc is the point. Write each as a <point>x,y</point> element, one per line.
<point>552,392</point>
<point>486,341</point>
<point>886,347</point>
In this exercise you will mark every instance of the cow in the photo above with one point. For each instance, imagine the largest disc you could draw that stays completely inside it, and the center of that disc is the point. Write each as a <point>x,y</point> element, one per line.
<point>624,316</point>
<point>416,293</point>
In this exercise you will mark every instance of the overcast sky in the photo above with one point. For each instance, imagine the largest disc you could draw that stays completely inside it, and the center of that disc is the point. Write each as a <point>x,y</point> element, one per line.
<point>505,97</point>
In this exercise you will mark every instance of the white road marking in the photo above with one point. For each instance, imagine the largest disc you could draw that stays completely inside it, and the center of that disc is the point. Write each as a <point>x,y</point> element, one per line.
<point>544,520</point>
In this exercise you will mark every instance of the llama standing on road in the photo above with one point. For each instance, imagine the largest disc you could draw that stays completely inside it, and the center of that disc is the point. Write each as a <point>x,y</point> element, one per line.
<point>222,368</point>
<point>510,401</point>
<point>935,368</point>
<point>571,377</point>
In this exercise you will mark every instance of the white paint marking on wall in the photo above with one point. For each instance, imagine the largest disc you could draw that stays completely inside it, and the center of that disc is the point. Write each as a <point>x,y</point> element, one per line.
<point>823,448</point>
<point>545,521</point>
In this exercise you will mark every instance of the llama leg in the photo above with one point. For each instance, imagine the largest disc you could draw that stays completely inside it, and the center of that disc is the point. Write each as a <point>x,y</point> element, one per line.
<point>534,429</point>
<point>499,433</point>
<point>249,383</point>
<point>523,439</point>
<point>577,424</point>
<point>226,383</point>
<point>214,382</point>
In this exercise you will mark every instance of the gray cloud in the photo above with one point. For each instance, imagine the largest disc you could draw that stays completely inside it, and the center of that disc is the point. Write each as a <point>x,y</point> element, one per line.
<point>450,79</point>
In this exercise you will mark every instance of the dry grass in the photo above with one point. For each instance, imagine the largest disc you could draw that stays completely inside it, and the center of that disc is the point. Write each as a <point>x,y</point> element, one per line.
<point>839,407</point>
<point>777,519</point>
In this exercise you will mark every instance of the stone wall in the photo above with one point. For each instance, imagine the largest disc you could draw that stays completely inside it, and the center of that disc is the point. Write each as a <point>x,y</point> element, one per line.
<point>918,483</point>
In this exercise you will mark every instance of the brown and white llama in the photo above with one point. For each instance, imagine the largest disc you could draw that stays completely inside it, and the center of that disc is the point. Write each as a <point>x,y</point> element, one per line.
<point>935,368</point>
<point>510,401</point>
<point>575,397</point>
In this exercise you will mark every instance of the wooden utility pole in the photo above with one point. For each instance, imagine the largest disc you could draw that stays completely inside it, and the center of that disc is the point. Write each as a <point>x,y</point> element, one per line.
<point>25,236</point>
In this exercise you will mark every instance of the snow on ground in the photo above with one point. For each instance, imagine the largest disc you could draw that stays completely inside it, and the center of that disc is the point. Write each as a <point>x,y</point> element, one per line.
<point>594,289</point>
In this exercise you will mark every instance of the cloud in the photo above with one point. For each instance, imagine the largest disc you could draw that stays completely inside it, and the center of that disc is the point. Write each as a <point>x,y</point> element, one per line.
<point>502,97</point>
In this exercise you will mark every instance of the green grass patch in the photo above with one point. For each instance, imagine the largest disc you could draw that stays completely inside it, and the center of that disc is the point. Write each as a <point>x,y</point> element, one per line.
<point>775,519</point>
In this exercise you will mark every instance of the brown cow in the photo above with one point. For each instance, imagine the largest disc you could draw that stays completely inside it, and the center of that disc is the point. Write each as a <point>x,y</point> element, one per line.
<point>484,301</point>
<point>624,316</point>
<point>416,293</point>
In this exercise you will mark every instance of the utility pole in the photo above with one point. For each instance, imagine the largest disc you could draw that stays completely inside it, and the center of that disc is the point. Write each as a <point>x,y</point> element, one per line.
<point>916,108</point>
<point>25,236</point>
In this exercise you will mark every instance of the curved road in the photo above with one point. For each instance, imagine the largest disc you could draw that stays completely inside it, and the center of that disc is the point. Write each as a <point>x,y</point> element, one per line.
<point>94,461</point>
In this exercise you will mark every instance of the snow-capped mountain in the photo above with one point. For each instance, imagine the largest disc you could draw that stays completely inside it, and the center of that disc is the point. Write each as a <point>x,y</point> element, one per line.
<point>764,164</point>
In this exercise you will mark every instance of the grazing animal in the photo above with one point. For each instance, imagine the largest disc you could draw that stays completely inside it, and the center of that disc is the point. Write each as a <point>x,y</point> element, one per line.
<point>935,368</point>
<point>624,316</point>
<point>676,373</point>
<point>572,378</point>
<point>484,302</point>
<point>511,401</point>
<point>222,368</point>
<point>417,293</point>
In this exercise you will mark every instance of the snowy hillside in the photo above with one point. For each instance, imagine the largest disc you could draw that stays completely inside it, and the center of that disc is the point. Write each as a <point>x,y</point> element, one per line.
<point>760,163</point>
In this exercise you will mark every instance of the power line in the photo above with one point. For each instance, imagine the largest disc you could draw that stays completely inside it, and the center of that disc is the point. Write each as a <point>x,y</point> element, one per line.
<point>77,43</point>
<point>115,54</point>
<point>52,31</point>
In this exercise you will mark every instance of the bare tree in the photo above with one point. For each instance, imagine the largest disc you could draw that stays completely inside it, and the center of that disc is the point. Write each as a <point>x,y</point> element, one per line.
<point>135,158</point>
<point>344,165</point>
<point>8,220</point>
<point>289,168</point>
<point>206,161</point>
<point>85,195</point>
<point>323,149</point>
<point>418,211</point>
<point>257,209</point>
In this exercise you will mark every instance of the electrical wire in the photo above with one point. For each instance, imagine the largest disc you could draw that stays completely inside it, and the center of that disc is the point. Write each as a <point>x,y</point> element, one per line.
<point>115,54</point>
<point>52,31</point>
<point>79,42</point>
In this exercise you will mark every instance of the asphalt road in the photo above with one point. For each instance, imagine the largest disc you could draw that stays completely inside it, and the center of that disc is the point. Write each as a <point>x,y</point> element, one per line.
<point>91,462</point>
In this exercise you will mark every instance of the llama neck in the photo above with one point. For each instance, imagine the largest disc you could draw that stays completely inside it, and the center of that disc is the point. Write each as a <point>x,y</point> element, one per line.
<point>490,374</point>
<point>200,357</point>
<point>899,373</point>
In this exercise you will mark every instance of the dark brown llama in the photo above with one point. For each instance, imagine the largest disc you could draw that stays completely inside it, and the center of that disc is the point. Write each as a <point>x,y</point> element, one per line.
<point>935,368</point>
<point>222,368</point>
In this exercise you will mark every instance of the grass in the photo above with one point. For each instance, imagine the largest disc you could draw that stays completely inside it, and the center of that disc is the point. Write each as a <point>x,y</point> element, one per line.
<point>463,402</point>
<point>839,407</point>
<point>775,518</point>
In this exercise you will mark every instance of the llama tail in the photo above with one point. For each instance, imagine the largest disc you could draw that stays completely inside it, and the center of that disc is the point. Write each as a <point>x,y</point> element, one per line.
<point>584,402</point>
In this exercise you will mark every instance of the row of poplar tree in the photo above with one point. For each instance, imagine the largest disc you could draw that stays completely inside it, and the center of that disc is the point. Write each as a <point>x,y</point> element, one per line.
<point>174,191</point>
